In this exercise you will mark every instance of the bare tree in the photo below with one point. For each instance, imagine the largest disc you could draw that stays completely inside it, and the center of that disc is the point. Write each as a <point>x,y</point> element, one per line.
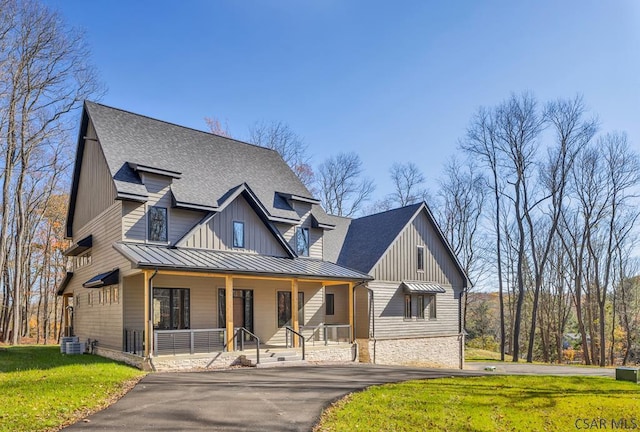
<point>408,183</point>
<point>280,137</point>
<point>45,76</point>
<point>462,197</point>
<point>572,133</point>
<point>481,141</point>
<point>343,189</point>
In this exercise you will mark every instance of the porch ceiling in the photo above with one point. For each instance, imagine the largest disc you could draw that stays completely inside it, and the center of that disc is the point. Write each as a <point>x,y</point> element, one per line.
<point>199,260</point>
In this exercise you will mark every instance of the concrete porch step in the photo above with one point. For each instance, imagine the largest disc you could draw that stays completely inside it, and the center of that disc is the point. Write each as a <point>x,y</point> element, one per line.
<point>271,357</point>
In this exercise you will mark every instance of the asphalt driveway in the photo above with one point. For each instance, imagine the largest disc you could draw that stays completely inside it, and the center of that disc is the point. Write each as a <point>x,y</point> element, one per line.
<point>269,399</point>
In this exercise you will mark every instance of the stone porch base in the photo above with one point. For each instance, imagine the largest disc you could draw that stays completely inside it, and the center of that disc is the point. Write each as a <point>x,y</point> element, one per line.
<point>441,351</point>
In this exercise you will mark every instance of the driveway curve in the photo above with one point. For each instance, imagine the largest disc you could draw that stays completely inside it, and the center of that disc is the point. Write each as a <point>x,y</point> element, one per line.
<point>265,399</point>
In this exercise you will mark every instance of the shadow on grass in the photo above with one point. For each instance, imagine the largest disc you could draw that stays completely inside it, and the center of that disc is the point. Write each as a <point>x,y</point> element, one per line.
<point>41,357</point>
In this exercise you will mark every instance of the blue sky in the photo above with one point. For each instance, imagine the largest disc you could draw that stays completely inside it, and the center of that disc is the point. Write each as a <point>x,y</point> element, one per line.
<point>391,81</point>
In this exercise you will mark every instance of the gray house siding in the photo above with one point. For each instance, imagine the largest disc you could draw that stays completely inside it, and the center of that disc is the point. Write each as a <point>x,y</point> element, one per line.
<point>389,313</point>
<point>303,210</point>
<point>217,233</point>
<point>400,261</point>
<point>101,321</point>
<point>96,191</point>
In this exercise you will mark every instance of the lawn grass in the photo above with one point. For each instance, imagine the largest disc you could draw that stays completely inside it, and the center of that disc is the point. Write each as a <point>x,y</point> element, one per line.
<point>42,389</point>
<point>477,354</point>
<point>492,403</point>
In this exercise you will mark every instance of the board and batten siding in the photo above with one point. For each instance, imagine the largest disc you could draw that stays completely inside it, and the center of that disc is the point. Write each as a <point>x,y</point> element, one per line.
<point>315,234</point>
<point>96,191</point>
<point>400,261</point>
<point>100,321</point>
<point>217,232</point>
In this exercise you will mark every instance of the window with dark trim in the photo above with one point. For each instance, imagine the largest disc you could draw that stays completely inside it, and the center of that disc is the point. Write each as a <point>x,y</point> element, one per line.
<point>329,304</point>
<point>420,258</point>
<point>238,234</point>
<point>284,308</point>
<point>302,241</point>
<point>407,306</point>
<point>171,308</point>
<point>420,307</point>
<point>157,224</point>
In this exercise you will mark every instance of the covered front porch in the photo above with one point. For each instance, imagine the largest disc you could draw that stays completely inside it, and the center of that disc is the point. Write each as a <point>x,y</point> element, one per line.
<point>178,313</point>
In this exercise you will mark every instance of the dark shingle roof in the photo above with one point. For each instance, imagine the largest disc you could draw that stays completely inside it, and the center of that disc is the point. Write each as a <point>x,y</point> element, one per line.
<point>369,237</point>
<point>334,239</point>
<point>147,256</point>
<point>210,165</point>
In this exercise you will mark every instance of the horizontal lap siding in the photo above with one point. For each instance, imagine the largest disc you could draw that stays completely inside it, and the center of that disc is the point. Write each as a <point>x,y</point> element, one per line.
<point>389,313</point>
<point>399,264</point>
<point>100,321</point>
<point>341,304</point>
<point>134,215</point>
<point>315,235</point>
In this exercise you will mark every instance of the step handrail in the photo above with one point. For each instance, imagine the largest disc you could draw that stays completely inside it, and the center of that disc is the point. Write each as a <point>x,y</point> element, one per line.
<point>289,329</point>
<point>257,339</point>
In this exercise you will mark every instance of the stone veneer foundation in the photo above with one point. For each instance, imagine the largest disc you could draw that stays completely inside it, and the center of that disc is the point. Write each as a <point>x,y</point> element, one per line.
<point>442,351</point>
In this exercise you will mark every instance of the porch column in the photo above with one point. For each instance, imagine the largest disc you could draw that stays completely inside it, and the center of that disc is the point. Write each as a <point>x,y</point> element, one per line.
<point>294,310</point>
<point>148,325</point>
<point>228,297</point>
<point>350,311</point>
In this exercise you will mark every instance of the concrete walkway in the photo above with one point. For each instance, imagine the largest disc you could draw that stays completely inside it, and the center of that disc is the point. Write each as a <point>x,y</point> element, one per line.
<point>269,399</point>
<point>540,369</point>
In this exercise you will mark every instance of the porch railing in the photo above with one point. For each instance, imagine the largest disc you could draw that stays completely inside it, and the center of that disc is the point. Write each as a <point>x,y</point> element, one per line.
<point>327,333</point>
<point>133,341</point>
<point>289,335</point>
<point>240,336</point>
<point>194,341</point>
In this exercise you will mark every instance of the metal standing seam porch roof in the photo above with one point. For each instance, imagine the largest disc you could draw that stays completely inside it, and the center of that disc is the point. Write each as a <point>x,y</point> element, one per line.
<point>422,288</point>
<point>161,257</point>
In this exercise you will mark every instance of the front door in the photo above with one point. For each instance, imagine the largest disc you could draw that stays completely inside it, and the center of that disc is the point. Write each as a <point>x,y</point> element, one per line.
<point>242,309</point>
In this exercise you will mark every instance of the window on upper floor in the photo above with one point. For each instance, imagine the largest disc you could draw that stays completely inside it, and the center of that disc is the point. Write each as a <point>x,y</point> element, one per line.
<point>420,256</point>
<point>238,234</point>
<point>157,224</point>
<point>302,241</point>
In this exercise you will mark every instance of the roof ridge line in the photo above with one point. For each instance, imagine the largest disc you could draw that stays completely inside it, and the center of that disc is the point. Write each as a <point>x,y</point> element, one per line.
<point>180,126</point>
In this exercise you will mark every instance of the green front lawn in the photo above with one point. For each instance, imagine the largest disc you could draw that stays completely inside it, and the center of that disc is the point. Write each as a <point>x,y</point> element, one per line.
<point>492,403</point>
<point>41,389</point>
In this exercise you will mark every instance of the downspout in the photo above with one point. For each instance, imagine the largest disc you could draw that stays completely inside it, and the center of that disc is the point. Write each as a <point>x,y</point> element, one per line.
<point>150,323</point>
<point>372,335</point>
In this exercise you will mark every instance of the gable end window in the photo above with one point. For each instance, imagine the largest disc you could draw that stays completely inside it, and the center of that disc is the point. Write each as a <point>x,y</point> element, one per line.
<point>157,223</point>
<point>420,258</point>
<point>302,241</point>
<point>238,234</point>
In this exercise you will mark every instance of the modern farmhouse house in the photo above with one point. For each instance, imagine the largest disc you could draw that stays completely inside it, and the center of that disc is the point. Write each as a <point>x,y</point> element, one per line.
<point>195,250</point>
